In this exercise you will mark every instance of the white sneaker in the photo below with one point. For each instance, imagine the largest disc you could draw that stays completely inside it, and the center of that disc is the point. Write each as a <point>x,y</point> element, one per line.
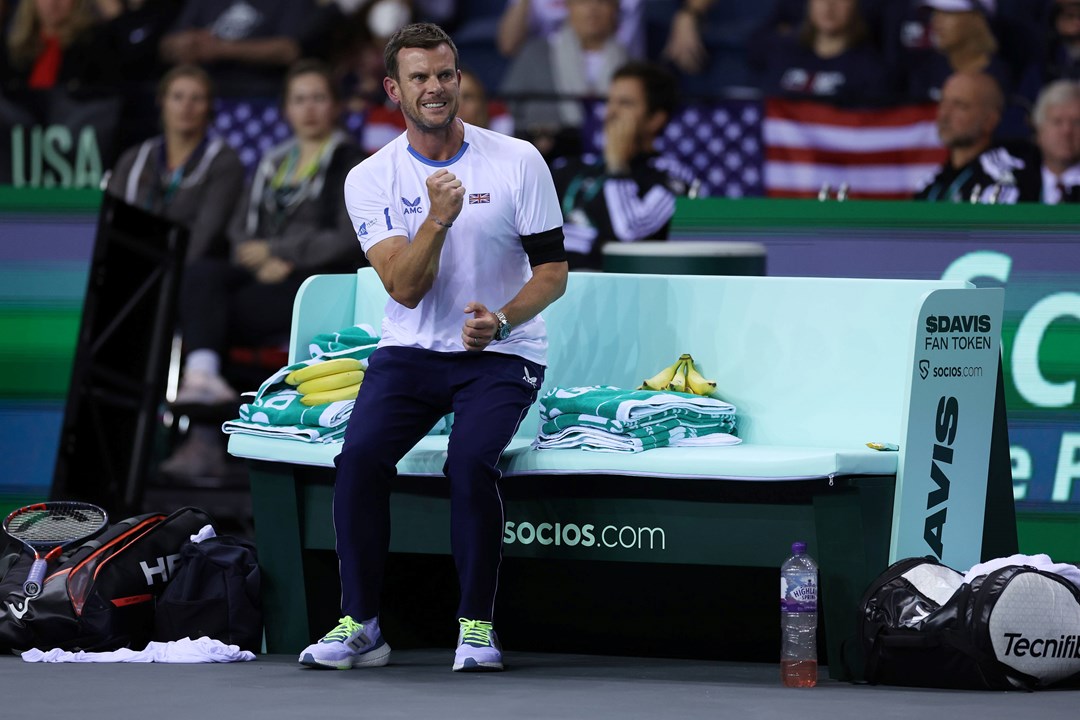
<point>199,387</point>
<point>349,645</point>
<point>478,647</point>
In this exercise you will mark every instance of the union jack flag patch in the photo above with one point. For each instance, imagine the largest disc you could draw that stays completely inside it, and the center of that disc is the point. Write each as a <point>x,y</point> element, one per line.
<point>479,198</point>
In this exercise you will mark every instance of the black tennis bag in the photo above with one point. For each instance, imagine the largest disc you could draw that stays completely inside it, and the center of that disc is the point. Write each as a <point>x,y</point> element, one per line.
<point>100,595</point>
<point>1016,627</point>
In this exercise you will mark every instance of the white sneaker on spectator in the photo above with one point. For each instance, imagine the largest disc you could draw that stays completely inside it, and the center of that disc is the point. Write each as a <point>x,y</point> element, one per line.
<point>198,387</point>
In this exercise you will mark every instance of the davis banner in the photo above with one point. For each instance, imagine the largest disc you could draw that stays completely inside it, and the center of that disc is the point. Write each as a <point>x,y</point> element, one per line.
<point>942,474</point>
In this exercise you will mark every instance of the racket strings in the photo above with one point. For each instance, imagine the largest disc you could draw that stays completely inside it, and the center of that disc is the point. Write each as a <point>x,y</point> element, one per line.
<point>54,525</point>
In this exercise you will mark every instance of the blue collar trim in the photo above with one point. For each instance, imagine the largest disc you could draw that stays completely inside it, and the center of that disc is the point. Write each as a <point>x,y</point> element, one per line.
<point>439,163</point>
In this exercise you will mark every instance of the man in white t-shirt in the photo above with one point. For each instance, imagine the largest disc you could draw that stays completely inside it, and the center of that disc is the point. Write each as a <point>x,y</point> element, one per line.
<point>465,230</point>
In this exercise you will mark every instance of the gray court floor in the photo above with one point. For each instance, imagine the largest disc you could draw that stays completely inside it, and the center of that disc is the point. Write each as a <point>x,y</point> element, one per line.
<point>419,684</point>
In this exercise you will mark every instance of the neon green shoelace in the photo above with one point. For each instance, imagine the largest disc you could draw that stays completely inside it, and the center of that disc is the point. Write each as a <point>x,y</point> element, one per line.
<point>346,627</point>
<point>475,632</point>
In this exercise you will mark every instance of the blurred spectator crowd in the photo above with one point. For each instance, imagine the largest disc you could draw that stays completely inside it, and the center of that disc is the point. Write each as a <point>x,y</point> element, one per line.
<point>540,57</point>
<point>240,119</point>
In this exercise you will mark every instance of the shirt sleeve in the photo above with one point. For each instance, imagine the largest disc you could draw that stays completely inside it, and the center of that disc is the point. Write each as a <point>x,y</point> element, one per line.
<point>637,215</point>
<point>374,217</point>
<point>538,206</point>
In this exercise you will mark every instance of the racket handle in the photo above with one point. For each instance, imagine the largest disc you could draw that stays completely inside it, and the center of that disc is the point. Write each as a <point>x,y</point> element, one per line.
<point>33,585</point>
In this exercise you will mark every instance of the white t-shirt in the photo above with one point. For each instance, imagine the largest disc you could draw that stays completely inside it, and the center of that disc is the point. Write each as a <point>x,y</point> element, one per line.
<point>509,193</point>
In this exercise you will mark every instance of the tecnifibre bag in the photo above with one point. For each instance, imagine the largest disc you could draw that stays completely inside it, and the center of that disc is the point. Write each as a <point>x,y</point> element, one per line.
<point>1017,627</point>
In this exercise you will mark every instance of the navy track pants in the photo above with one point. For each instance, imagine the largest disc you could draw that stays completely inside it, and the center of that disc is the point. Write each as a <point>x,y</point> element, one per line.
<point>404,393</point>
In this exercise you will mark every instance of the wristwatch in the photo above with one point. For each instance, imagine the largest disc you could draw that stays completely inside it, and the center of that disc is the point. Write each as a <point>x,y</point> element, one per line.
<point>503,331</point>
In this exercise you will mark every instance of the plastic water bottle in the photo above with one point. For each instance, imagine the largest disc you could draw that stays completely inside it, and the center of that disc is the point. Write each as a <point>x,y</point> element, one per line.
<point>798,618</point>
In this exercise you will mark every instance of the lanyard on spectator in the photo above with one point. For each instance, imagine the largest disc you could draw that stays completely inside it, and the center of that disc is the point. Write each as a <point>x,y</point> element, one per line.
<point>288,189</point>
<point>954,186</point>
<point>170,180</point>
<point>285,172</point>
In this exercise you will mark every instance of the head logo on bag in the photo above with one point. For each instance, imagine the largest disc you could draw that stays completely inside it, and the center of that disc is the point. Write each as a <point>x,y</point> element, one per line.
<point>18,611</point>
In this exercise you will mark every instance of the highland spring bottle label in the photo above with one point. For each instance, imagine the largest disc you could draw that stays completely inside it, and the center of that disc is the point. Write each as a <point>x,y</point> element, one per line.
<point>798,593</point>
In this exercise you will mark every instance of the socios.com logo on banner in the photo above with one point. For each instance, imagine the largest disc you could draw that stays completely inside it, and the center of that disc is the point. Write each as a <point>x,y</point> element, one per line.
<point>585,535</point>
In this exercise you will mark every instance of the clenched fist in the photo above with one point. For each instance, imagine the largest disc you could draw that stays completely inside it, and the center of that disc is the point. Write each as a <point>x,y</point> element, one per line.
<point>445,196</point>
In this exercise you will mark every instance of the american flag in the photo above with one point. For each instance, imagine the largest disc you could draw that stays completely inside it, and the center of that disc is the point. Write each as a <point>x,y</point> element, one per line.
<point>479,198</point>
<point>882,154</point>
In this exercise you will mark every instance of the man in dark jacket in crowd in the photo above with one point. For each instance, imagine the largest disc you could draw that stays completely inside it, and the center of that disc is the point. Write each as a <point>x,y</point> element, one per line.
<point>978,170</point>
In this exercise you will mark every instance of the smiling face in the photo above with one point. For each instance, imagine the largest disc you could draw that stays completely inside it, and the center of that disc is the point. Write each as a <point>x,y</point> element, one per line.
<point>426,88</point>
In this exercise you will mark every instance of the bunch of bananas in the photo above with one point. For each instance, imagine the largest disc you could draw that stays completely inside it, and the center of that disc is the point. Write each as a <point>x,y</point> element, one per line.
<point>327,381</point>
<point>680,376</point>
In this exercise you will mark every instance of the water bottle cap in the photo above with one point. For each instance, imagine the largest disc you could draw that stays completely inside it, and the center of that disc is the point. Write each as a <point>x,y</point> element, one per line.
<point>798,548</point>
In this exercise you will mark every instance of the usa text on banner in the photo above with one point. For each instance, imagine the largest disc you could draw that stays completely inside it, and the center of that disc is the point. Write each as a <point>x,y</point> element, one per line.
<point>881,153</point>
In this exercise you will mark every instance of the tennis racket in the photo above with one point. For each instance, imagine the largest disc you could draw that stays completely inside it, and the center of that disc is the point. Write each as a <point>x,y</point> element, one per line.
<point>48,528</point>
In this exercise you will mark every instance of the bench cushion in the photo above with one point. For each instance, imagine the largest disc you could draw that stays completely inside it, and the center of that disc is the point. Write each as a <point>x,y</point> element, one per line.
<point>737,462</point>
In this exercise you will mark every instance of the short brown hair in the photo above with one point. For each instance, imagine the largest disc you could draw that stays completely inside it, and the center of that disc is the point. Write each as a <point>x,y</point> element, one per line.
<point>660,86</point>
<point>426,36</point>
<point>310,66</point>
<point>194,72</point>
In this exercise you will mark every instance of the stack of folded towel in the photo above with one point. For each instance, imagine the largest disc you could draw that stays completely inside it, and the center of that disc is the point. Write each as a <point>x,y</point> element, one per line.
<point>611,419</point>
<point>279,408</point>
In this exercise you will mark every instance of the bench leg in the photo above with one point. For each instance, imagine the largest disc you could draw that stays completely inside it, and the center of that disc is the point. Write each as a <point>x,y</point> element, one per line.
<point>853,527</point>
<point>277,509</point>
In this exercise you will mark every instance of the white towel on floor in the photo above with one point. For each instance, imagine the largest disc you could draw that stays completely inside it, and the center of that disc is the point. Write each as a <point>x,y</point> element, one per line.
<point>203,650</point>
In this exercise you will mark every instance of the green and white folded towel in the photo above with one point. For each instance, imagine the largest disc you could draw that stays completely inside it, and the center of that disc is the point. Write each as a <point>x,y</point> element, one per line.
<point>611,419</point>
<point>276,410</point>
<point>601,441</point>
<point>628,405</point>
<point>348,339</point>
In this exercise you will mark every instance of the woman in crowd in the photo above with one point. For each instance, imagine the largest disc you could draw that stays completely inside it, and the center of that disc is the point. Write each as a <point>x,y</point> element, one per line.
<point>54,43</point>
<point>829,59</point>
<point>289,225</point>
<point>962,42</point>
<point>184,174</point>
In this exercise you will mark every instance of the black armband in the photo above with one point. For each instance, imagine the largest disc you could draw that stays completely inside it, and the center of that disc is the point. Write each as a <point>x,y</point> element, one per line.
<point>544,247</point>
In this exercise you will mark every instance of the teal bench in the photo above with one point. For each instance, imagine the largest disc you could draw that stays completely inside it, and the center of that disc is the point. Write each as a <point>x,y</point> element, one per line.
<point>816,369</point>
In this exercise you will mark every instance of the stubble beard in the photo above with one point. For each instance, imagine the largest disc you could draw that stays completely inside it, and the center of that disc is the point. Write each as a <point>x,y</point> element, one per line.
<point>422,124</point>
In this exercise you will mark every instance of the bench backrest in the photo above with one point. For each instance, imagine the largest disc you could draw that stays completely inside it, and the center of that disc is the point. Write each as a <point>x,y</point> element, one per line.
<point>806,361</point>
